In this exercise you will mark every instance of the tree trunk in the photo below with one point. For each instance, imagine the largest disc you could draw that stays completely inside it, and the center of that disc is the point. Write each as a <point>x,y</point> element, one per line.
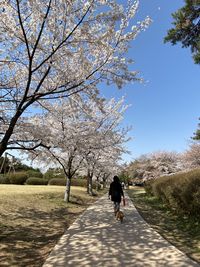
<point>67,190</point>
<point>9,132</point>
<point>2,149</point>
<point>97,184</point>
<point>88,177</point>
<point>90,185</point>
<point>104,182</point>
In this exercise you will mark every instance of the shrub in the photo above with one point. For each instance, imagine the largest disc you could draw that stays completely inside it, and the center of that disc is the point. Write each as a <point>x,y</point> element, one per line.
<point>83,183</point>
<point>74,182</point>
<point>17,178</point>
<point>180,191</point>
<point>35,174</point>
<point>189,190</point>
<point>196,202</point>
<point>4,180</point>
<point>161,187</point>
<point>53,173</point>
<point>96,186</point>
<point>57,181</point>
<point>79,182</point>
<point>148,187</point>
<point>36,181</point>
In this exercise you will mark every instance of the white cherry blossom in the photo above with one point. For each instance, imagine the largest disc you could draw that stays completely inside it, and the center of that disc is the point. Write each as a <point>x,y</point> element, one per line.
<point>52,49</point>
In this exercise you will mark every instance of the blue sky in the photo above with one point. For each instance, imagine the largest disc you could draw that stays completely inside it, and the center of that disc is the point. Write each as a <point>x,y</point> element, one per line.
<point>165,109</point>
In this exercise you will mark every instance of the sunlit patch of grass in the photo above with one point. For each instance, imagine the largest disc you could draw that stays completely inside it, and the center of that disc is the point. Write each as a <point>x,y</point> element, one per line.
<point>182,231</point>
<point>32,219</point>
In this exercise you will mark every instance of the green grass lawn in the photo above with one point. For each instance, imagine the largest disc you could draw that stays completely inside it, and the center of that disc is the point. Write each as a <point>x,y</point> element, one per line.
<point>181,231</point>
<point>32,219</point>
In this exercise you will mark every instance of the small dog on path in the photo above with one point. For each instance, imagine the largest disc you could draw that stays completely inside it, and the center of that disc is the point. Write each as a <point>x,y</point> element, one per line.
<point>120,215</point>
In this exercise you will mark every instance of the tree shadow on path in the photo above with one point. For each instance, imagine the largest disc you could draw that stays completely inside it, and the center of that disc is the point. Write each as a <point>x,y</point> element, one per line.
<point>97,239</point>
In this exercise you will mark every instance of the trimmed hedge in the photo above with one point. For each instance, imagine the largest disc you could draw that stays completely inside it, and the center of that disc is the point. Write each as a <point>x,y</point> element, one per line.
<point>17,177</point>
<point>57,181</point>
<point>35,174</point>
<point>83,182</point>
<point>74,182</point>
<point>79,182</point>
<point>53,173</point>
<point>181,192</point>
<point>62,181</point>
<point>36,181</point>
<point>4,180</point>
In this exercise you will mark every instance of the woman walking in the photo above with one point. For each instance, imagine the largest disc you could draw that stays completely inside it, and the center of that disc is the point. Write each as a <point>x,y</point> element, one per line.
<point>116,192</point>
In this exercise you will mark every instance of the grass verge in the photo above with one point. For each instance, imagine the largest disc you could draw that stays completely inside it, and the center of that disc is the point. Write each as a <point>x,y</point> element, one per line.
<point>32,219</point>
<point>181,231</point>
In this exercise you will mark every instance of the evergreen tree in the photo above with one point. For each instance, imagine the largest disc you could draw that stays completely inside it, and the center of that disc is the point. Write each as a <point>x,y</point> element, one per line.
<point>197,133</point>
<point>187,28</point>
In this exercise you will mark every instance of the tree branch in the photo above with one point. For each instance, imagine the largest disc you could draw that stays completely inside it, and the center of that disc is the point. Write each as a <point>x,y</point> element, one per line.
<point>68,36</point>
<point>41,29</point>
<point>22,27</point>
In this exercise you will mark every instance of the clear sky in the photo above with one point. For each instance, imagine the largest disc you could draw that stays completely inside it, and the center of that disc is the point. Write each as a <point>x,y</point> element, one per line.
<point>165,109</point>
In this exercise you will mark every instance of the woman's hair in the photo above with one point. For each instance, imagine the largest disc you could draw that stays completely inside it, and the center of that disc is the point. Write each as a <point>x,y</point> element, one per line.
<point>116,178</point>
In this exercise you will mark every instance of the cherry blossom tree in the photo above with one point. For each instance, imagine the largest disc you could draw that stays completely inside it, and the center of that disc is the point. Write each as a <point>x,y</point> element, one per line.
<point>191,157</point>
<point>109,166</point>
<point>108,146</point>
<point>52,49</point>
<point>103,162</point>
<point>63,134</point>
<point>75,133</point>
<point>154,165</point>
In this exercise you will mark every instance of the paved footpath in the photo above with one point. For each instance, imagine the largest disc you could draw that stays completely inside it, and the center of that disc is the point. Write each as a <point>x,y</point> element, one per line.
<point>96,239</point>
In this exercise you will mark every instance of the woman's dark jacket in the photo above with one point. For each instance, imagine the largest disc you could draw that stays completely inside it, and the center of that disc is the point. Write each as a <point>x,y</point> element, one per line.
<point>116,191</point>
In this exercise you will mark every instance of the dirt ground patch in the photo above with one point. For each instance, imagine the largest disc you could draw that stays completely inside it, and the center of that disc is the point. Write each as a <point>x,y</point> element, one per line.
<point>32,219</point>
